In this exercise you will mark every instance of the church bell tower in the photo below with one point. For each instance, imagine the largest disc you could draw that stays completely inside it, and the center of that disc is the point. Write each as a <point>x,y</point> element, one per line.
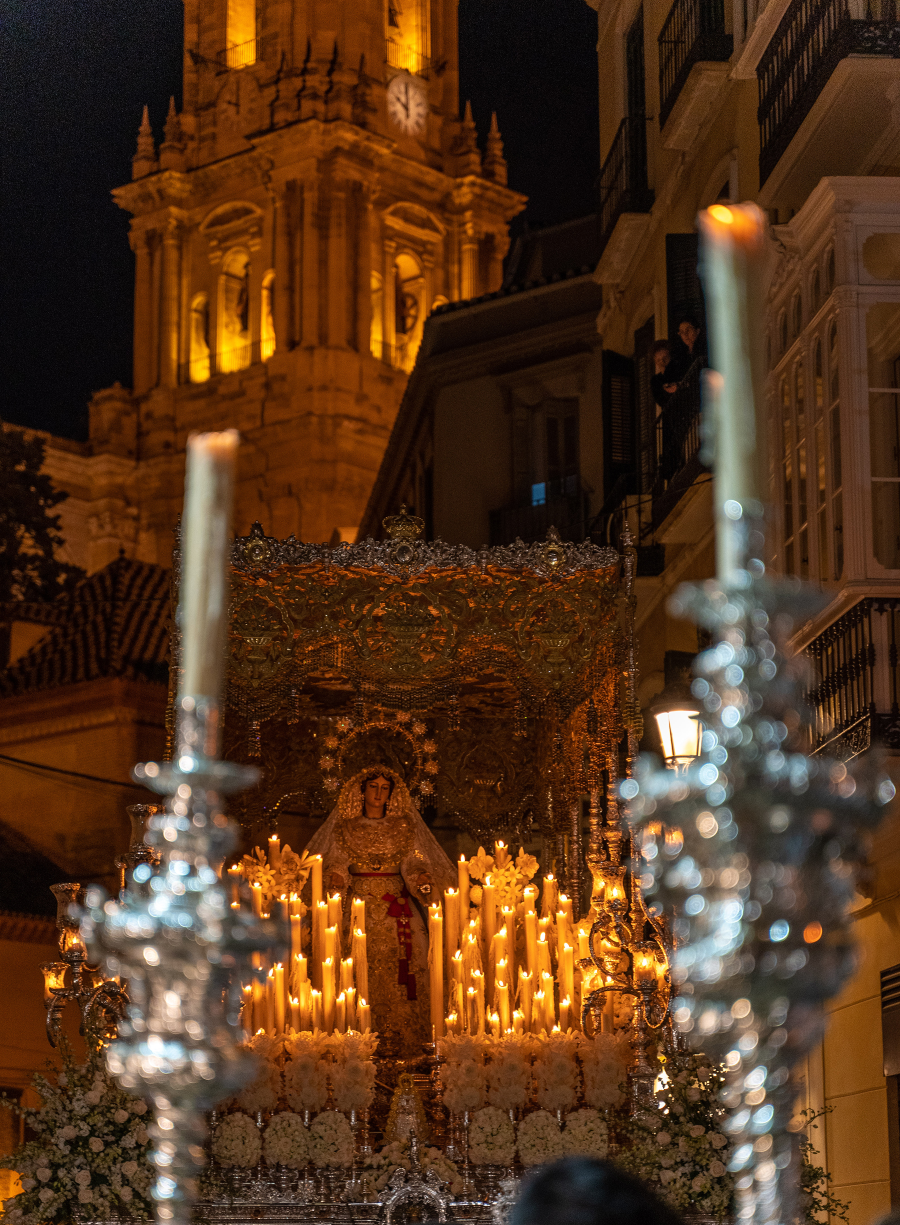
<point>315,199</point>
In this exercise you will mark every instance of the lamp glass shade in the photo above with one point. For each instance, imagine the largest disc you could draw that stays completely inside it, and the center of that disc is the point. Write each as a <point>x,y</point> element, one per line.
<point>54,973</point>
<point>680,732</point>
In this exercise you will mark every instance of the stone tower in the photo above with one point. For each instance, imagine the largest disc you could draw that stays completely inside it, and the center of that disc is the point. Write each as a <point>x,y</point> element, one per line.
<point>317,196</point>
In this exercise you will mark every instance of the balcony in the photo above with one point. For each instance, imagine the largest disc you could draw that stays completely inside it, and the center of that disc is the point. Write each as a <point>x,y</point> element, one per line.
<point>226,361</point>
<point>855,701</point>
<point>625,198</point>
<point>239,55</point>
<point>693,34</point>
<point>811,71</point>
<point>677,463</point>
<point>561,504</point>
<point>406,59</point>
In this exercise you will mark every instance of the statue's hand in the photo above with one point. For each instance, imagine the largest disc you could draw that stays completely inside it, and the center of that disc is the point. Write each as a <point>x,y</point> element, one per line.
<point>337,881</point>
<point>423,884</point>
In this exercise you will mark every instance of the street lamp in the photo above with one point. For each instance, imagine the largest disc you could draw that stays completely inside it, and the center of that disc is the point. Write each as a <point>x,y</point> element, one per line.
<point>680,728</point>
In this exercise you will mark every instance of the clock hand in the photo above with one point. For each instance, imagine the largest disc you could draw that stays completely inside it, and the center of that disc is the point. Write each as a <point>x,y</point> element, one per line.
<point>406,100</point>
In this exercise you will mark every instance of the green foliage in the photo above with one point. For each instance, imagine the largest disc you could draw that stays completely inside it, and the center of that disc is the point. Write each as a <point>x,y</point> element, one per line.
<point>29,531</point>
<point>817,1202</point>
<point>90,1154</point>
<point>681,1150</point>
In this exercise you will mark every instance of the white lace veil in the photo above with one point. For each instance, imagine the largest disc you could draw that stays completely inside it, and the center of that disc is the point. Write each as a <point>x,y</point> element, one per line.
<point>350,805</point>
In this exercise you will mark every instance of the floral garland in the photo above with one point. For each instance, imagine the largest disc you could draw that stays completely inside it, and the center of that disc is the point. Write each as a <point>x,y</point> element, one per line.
<point>331,1140</point>
<point>539,1139</point>
<point>91,1149</point>
<point>378,1167</point>
<point>236,1141</point>
<point>682,1150</point>
<point>585,1135</point>
<point>492,1140</point>
<point>556,1072</point>
<point>286,1141</point>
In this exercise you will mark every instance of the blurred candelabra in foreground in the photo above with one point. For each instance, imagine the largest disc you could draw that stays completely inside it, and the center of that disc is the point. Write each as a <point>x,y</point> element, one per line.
<point>174,934</point>
<point>772,837</point>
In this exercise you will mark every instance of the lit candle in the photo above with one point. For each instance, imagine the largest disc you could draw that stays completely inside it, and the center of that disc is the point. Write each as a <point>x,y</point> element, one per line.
<point>564,1006</point>
<point>328,994</point>
<point>247,1010</point>
<point>509,920</point>
<point>346,973</point>
<point>567,976</point>
<point>296,938</point>
<point>296,908</point>
<point>270,1003</point>
<point>451,922</point>
<point>335,918</point>
<point>501,992</point>
<point>549,1001</point>
<point>530,894</point>
<point>274,851</point>
<point>358,915</point>
<point>471,954</point>
<point>488,929</point>
<point>317,1021</point>
<point>350,994</point>
<point>526,984</point>
<point>565,905</point>
<point>331,945</point>
<point>495,1024</point>
<point>498,952</point>
<point>463,877</point>
<point>365,1017</point>
<point>732,264</point>
<point>256,898</point>
<point>295,1015</point>
<point>315,882</point>
<point>360,964</point>
<point>298,972</point>
<point>478,984</point>
<point>340,1014</point>
<point>537,1013</point>
<point>543,955</point>
<point>259,1005</point>
<point>548,902</point>
<point>457,997</point>
<point>234,875</point>
<point>518,1022</point>
<point>584,948</point>
<point>531,930</point>
<point>204,570</point>
<point>279,997</point>
<point>320,922</point>
<point>436,970</point>
<point>304,996</point>
<point>471,1020</point>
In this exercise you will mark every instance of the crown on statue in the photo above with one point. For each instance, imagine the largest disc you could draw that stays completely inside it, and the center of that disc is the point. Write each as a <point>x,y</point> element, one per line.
<point>404,527</point>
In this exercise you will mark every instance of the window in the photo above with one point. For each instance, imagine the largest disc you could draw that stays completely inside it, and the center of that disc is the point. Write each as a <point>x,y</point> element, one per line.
<point>199,339</point>
<point>376,333</point>
<point>834,426</point>
<point>787,475</point>
<point>782,333</point>
<point>409,296</point>
<point>820,461</point>
<point>240,33</point>
<point>883,341</point>
<point>234,313</point>
<point>267,317</point>
<point>796,315</point>
<point>815,292</point>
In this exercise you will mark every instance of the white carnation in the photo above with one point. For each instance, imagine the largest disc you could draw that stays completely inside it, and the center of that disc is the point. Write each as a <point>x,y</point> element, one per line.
<point>286,1141</point>
<point>539,1139</point>
<point>236,1141</point>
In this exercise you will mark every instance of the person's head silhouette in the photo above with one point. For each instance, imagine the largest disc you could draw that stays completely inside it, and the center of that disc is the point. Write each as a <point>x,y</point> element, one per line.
<point>585,1191</point>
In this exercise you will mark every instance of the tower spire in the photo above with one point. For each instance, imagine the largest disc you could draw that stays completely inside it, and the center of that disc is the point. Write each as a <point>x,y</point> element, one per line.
<point>494,161</point>
<point>171,151</point>
<point>468,158</point>
<point>144,160</point>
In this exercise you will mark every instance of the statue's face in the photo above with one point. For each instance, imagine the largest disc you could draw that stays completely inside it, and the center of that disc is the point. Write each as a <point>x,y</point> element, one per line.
<point>377,792</point>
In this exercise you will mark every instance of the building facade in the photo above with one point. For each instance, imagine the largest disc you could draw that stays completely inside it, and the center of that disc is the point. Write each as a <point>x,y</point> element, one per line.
<point>794,104</point>
<point>314,200</point>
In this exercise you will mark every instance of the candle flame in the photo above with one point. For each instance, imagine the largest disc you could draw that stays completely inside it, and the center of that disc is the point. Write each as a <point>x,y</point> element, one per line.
<point>722,214</point>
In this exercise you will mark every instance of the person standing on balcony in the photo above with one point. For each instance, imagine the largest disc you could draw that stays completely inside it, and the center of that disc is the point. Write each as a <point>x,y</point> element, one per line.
<point>680,381</point>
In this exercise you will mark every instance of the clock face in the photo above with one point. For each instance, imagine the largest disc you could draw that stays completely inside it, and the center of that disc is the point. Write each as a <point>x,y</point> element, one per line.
<point>407,104</point>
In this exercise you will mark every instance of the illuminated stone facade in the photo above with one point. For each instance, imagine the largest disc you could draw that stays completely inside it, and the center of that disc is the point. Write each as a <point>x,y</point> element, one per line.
<point>315,198</point>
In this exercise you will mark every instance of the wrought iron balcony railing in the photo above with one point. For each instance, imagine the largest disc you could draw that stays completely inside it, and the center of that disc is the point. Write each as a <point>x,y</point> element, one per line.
<point>623,176</point>
<point>856,697</point>
<point>240,55</point>
<point>811,39</point>
<point>561,504</point>
<point>407,59</point>
<point>226,361</point>
<point>693,31</point>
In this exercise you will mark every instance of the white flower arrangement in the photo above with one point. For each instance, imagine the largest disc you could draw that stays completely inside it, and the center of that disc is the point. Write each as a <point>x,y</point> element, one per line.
<point>378,1168</point>
<point>91,1149</point>
<point>306,1073</point>
<point>585,1134</point>
<point>683,1150</point>
<point>604,1064</point>
<point>539,1139</point>
<point>331,1140</point>
<point>492,1140</point>
<point>286,1141</point>
<point>236,1141</point>
<point>463,1077</point>
<point>509,1071</point>
<point>353,1070</point>
<point>265,1089</point>
<point>556,1072</point>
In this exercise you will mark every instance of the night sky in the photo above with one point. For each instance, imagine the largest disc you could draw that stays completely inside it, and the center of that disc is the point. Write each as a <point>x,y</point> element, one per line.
<point>74,75</point>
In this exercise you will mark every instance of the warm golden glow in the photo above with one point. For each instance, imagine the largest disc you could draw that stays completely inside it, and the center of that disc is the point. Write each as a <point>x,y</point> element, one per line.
<point>267,318</point>
<point>54,973</point>
<point>240,33</point>
<point>722,214</point>
<point>680,732</point>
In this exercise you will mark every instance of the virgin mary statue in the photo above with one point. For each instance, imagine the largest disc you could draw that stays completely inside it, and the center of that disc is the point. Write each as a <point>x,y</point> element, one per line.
<point>375,846</point>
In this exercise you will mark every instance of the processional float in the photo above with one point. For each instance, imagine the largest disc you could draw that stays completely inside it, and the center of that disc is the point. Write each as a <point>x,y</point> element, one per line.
<point>518,666</point>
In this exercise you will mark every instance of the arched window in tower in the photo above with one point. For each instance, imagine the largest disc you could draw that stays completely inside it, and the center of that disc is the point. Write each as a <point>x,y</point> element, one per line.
<point>240,33</point>
<point>234,313</point>
<point>267,317</point>
<point>409,294</point>
<point>408,34</point>
<point>376,332</point>
<point>199,339</point>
